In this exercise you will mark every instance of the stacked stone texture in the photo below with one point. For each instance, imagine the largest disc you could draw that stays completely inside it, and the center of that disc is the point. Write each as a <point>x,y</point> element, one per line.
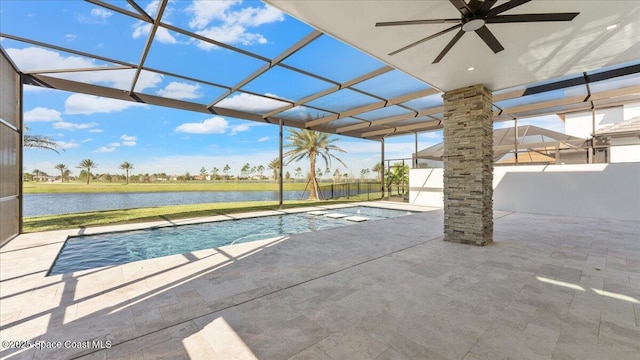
<point>468,166</point>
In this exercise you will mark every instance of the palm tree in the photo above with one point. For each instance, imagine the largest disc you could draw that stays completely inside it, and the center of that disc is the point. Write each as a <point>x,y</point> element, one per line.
<point>226,170</point>
<point>310,143</point>
<point>62,168</point>
<point>275,166</point>
<point>126,166</point>
<point>87,164</point>
<point>40,142</point>
<point>378,169</point>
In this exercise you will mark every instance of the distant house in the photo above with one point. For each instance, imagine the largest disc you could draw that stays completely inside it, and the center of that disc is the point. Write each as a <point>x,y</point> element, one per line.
<point>623,140</point>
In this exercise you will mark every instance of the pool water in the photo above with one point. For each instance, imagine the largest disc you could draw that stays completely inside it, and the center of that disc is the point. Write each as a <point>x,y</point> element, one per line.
<point>92,251</point>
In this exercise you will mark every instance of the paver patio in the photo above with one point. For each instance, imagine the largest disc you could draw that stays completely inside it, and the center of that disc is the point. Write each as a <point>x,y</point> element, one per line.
<point>547,288</point>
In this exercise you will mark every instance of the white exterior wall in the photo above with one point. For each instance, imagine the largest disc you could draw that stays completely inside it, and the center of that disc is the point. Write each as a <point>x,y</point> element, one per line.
<point>579,124</point>
<point>626,149</point>
<point>609,191</point>
<point>426,186</point>
<point>631,110</point>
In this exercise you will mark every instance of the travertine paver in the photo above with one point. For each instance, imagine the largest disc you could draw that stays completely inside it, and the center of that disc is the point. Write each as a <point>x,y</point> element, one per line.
<point>547,288</point>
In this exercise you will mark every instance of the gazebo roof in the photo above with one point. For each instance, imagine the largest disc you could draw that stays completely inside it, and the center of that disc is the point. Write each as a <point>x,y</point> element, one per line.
<point>504,140</point>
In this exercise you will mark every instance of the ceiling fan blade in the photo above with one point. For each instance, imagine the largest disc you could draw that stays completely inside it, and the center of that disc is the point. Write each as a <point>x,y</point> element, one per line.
<point>425,39</point>
<point>449,46</point>
<point>462,6</point>
<point>506,6</point>
<point>418,22</point>
<point>486,35</point>
<point>481,7</point>
<point>531,17</point>
<point>488,4</point>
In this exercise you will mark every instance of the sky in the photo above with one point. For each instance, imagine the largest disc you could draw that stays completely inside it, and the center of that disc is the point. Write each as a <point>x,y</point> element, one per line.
<point>157,139</point>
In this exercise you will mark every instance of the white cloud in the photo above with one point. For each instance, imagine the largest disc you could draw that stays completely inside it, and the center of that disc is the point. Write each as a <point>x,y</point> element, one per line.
<point>214,125</point>
<point>142,28</point>
<point>89,104</point>
<point>105,149</point>
<point>162,34</point>
<point>68,145</point>
<point>96,131</point>
<point>229,34</point>
<point>101,13</point>
<point>230,26</point>
<point>70,37</point>
<point>42,114</point>
<point>128,140</point>
<point>263,139</point>
<point>87,140</point>
<point>180,91</point>
<point>203,12</point>
<point>250,103</point>
<point>33,58</point>
<point>239,128</point>
<point>63,125</point>
<point>114,144</point>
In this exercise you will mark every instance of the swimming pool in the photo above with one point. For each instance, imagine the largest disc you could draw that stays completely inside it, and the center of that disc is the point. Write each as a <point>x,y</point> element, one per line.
<point>92,251</point>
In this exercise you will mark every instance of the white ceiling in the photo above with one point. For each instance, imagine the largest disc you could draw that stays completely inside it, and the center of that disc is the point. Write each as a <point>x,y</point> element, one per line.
<point>533,51</point>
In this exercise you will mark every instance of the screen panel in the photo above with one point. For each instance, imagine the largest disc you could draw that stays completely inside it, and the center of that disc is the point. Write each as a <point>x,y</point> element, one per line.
<point>10,150</point>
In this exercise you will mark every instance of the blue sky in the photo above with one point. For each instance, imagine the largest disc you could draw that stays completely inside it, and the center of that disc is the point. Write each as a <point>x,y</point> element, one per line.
<point>158,139</point>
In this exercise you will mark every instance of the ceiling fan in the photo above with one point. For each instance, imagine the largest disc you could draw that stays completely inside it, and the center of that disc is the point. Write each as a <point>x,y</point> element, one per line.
<point>475,15</point>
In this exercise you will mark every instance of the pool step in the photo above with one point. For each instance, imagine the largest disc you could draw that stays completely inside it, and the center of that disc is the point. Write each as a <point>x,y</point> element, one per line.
<point>335,215</point>
<point>357,218</point>
<point>330,215</point>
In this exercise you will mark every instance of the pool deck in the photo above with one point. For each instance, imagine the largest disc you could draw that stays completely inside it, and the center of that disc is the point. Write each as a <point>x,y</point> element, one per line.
<point>549,287</point>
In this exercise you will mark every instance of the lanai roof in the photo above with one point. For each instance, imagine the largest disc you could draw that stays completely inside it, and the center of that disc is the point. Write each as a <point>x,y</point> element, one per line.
<point>366,98</point>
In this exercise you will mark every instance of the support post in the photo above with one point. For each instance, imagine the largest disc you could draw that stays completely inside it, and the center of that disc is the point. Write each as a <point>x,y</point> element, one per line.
<point>515,142</point>
<point>415,158</point>
<point>280,164</point>
<point>382,166</point>
<point>468,166</point>
<point>592,151</point>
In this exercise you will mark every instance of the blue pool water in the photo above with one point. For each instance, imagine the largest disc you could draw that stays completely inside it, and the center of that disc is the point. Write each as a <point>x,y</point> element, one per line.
<point>92,251</point>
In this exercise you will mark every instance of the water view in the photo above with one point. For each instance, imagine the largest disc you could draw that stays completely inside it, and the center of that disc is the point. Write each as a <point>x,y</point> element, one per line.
<point>54,204</point>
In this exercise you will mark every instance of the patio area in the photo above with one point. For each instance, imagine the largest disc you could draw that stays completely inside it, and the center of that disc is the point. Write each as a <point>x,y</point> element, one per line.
<point>549,287</point>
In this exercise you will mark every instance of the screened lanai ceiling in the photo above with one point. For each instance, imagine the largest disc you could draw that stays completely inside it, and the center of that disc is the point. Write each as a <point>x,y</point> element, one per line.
<point>308,79</point>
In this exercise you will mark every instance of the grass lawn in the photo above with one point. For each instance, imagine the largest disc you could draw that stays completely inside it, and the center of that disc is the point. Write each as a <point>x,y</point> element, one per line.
<point>32,187</point>
<point>175,212</point>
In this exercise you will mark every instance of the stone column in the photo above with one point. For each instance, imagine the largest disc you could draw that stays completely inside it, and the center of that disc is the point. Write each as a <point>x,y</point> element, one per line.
<point>468,166</point>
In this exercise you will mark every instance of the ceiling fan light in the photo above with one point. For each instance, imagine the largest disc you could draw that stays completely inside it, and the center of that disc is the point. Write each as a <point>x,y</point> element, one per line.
<point>473,25</point>
<point>612,27</point>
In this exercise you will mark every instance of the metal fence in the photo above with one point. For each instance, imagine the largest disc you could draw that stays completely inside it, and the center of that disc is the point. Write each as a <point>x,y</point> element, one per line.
<point>332,191</point>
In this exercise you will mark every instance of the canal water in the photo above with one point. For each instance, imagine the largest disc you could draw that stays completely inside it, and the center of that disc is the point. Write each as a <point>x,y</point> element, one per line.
<point>53,204</point>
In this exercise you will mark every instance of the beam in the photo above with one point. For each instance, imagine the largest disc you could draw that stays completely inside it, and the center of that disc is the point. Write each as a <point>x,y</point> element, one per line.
<point>332,89</point>
<point>632,90</point>
<point>119,10</point>
<point>277,60</point>
<point>70,51</point>
<point>389,120</point>
<point>402,129</point>
<point>96,90</point>
<point>374,106</point>
<point>147,47</point>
